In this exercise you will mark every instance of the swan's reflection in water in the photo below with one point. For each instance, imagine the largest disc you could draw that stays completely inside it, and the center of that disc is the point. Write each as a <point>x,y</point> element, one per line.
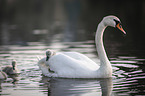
<point>77,87</point>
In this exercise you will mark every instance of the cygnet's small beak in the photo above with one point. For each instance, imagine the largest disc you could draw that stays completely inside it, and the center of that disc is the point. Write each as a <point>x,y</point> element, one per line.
<point>119,26</point>
<point>47,57</point>
<point>13,67</point>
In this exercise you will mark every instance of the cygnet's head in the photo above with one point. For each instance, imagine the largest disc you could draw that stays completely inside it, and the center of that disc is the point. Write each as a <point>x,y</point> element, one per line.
<point>49,53</point>
<point>113,21</point>
<point>14,64</point>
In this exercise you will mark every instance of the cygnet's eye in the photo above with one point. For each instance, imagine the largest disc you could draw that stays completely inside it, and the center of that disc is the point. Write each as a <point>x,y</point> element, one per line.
<point>49,53</point>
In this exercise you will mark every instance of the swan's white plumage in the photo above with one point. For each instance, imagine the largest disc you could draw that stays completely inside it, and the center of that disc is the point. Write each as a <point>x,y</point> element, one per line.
<point>72,64</point>
<point>76,65</point>
<point>68,64</point>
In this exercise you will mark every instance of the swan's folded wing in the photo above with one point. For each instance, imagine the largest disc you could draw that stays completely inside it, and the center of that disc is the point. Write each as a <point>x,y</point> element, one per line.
<point>83,60</point>
<point>65,65</point>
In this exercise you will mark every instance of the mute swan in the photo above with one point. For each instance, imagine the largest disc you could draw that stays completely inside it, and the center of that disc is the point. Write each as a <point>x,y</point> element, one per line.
<point>11,70</point>
<point>76,65</point>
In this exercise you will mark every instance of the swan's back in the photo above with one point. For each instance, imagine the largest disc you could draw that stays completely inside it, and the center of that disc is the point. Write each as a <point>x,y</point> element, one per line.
<point>71,64</point>
<point>83,59</point>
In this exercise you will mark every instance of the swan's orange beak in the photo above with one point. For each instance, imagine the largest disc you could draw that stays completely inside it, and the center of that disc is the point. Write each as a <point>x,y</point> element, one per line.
<point>119,26</point>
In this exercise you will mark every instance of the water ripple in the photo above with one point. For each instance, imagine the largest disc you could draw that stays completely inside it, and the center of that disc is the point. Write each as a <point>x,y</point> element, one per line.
<point>128,75</point>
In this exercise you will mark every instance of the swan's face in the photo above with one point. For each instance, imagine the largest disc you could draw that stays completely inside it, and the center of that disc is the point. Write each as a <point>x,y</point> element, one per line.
<point>113,21</point>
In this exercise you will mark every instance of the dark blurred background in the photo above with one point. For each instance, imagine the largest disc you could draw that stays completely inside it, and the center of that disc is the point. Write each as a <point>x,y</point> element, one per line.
<point>23,21</point>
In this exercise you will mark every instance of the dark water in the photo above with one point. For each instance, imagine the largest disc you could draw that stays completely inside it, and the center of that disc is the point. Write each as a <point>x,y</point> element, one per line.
<point>127,79</point>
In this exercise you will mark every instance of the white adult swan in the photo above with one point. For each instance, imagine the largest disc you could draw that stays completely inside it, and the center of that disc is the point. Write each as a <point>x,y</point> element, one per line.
<point>76,65</point>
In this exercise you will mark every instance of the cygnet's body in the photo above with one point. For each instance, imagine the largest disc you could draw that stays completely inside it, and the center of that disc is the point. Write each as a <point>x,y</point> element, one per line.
<point>3,75</point>
<point>11,70</point>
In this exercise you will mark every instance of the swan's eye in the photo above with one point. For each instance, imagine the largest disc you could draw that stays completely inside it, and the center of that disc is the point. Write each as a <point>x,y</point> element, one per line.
<point>120,25</point>
<point>116,21</point>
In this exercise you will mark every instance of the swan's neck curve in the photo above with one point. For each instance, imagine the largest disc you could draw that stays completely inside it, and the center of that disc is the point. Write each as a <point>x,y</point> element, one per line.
<point>99,45</point>
<point>105,69</point>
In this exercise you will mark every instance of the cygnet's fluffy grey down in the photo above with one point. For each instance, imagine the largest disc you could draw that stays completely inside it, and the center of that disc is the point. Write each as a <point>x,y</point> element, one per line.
<point>11,70</point>
<point>3,75</point>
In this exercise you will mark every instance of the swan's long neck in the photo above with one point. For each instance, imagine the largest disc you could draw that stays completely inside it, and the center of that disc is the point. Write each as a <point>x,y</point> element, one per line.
<point>99,44</point>
<point>105,69</point>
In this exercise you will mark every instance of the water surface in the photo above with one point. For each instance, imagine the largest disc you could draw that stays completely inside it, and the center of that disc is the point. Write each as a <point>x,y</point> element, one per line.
<point>127,79</point>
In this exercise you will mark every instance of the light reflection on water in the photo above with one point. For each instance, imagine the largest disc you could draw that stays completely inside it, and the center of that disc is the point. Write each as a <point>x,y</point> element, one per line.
<point>128,75</point>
